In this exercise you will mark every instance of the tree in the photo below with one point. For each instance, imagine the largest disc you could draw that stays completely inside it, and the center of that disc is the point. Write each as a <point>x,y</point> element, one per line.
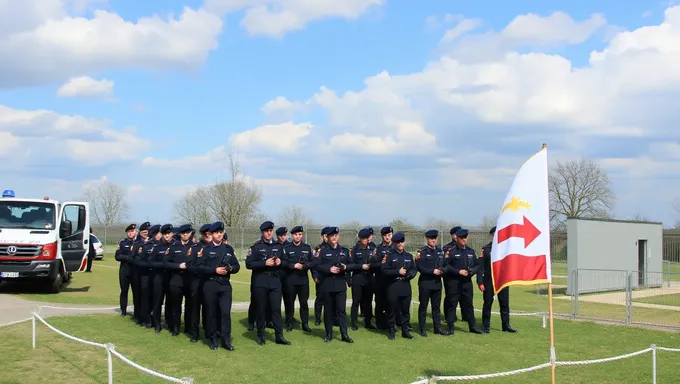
<point>192,209</point>
<point>579,188</point>
<point>401,224</point>
<point>486,223</point>
<point>676,206</point>
<point>234,201</point>
<point>292,216</point>
<point>639,217</point>
<point>107,204</point>
<point>439,224</point>
<point>352,226</point>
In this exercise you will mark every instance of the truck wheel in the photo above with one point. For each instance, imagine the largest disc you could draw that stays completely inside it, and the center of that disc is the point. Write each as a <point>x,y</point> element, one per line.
<point>55,285</point>
<point>68,277</point>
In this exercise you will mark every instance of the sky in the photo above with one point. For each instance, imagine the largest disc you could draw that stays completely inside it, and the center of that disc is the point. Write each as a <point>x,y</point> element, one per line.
<point>354,110</point>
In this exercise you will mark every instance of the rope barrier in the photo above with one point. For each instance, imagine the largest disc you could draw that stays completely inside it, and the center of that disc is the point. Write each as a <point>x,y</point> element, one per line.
<point>15,322</point>
<point>110,350</point>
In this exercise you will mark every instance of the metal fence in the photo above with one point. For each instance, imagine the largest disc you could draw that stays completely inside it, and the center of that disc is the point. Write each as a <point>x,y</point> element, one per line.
<point>637,297</point>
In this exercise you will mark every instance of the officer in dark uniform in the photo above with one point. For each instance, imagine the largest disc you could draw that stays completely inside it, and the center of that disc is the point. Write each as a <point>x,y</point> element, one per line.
<point>362,279</point>
<point>382,307</point>
<point>371,245</point>
<point>462,266</point>
<point>140,239</point>
<point>281,238</point>
<point>398,271</point>
<point>446,247</point>
<point>485,283</point>
<point>332,263</point>
<point>180,280</point>
<point>297,256</point>
<point>196,287</point>
<point>159,253</point>
<point>430,262</point>
<point>264,259</point>
<point>318,300</point>
<point>143,260</point>
<point>217,262</point>
<point>124,256</point>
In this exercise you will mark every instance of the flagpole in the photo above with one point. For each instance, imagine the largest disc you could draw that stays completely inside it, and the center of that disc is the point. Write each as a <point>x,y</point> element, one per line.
<point>550,315</point>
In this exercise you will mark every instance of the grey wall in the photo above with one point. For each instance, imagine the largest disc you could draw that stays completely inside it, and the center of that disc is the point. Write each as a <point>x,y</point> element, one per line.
<point>605,252</point>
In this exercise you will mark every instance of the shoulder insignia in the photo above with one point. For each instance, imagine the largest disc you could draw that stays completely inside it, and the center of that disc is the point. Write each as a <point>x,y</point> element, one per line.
<point>418,255</point>
<point>139,250</point>
<point>448,251</point>
<point>481,253</point>
<point>384,260</point>
<point>167,251</point>
<point>200,253</point>
<point>250,252</point>
<point>189,252</point>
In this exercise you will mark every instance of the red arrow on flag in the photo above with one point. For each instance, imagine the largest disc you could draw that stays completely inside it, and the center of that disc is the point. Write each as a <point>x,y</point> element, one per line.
<point>527,231</point>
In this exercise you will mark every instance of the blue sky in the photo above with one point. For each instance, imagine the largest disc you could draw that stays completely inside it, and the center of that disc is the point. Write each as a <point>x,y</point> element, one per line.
<point>362,110</point>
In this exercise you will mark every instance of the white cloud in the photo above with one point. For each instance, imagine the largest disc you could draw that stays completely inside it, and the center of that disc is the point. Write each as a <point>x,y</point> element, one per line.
<point>284,137</point>
<point>410,137</point>
<point>47,136</point>
<point>275,18</point>
<point>42,42</point>
<point>86,87</point>
<point>8,144</point>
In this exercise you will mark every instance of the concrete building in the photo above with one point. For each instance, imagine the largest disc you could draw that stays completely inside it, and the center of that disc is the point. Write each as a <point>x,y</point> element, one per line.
<point>602,254</point>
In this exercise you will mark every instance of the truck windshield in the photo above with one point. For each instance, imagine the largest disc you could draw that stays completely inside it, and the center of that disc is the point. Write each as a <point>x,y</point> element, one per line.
<point>27,215</point>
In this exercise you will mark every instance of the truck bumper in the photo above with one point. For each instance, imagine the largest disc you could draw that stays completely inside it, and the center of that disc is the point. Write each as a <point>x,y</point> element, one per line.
<point>29,270</point>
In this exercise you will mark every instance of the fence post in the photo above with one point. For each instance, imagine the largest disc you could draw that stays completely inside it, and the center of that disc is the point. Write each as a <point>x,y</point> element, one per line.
<point>109,348</point>
<point>629,299</point>
<point>653,363</point>
<point>669,273</point>
<point>33,321</point>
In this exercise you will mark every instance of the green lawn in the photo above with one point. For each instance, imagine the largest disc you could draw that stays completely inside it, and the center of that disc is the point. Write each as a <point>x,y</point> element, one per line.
<point>672,299</point>
<point>372,358</point>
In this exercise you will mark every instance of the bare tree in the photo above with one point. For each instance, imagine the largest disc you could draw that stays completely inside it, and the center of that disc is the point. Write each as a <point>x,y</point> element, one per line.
<point>439,224</point>
<point>192,209</point>
<point>639,217</point>
<point>486,223</point>
<point>401,224</point>
<point>234,201</point>
<point>107,204</point>
<point>292,216</point>
<point>352,226</point>
<point>579,188</point>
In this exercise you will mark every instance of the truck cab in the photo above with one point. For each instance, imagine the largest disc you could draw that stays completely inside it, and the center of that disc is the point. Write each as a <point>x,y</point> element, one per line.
<point>42,240</point>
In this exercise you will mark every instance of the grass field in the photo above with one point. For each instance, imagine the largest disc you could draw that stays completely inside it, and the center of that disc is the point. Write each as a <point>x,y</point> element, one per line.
<point>371,358</point>
<point>672,299</point>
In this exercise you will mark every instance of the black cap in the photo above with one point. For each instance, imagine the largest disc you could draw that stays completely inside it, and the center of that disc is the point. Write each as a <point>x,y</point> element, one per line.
<point>386,230</point>
<point>370,230</point>
<point>297,229</point>
<point>281,231</point>
<point>492,230</point>
<point>130,227</point>
<point>267,225</point>
<point>454,230</point>
<point>145,226</point>
<point>333,231</point>
<point>205,228</point>
<point>364,233</point>
<point>217,226</point>
<point>167,228</point>
<point>325,231</point>
<point>462,233</point>
<point>154,229</point>
<point>398,238</point>
<point>184,228</point>
<point>432,234</point>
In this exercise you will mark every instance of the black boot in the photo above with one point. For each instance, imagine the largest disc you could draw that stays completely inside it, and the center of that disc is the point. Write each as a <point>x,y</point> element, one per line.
<point>281,340</point>
<point>317,320</point>
<point>226,344</point>
<point>439,331</point>
<point>213,344</point>
<point>508,328</point>
<point>369,326</point>
<point>289,326</point>
<point>306,328</point>
<point>260,339</point>
<point>474,329</point>
<point>452,329</point>
<point>354,326</point>
<point>406,334</point>
<point>251,326</point>
<point>487,328</point>
<point>328,338</point>
<point>347,339</point>
<point>423,332</point>
<point>390,333</point>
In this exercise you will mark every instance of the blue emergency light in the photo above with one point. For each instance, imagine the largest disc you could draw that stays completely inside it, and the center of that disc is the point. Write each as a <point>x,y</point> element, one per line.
<point>8,193</point>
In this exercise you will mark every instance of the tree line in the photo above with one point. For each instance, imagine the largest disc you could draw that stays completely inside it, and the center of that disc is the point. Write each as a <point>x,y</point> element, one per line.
<point>578,188</point>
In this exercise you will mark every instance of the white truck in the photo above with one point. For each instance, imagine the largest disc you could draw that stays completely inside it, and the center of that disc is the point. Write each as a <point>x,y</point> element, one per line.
<point>42,240</point>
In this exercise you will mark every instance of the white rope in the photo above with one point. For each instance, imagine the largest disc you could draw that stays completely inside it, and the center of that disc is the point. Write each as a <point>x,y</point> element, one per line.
<point>668,349</point>
<point>498,313</point>
<point>14,322</point>
<point>79,308</point>
<point>604,360</point>
<point>110,348</point>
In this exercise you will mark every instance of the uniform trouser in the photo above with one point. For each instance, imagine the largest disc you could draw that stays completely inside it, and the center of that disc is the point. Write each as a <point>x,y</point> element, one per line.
<point>400,306</point>
<point>179,289</point>
<point>157,293</point>
<point>334,311</point>
<point>217,299</point>
<point>318,301</point>
<point>382,307</point>
<point>460,291</point>
<point>252,308</point>
<point>90,257</point>
<point>301,292</point>
<point>135,292</point>
<point>166,298</point>
<point>196,300</point>
<point>268,298</point>
<point>434,296</point>
<point>446,308</point>
<point>362,296</point>
<point>284,293</point>
<point>125,279</point>
<point>144,310</point>
<point>503,302</point>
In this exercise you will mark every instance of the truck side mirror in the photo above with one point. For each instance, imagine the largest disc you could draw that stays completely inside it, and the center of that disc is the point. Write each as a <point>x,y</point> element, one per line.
<point>65,228</point>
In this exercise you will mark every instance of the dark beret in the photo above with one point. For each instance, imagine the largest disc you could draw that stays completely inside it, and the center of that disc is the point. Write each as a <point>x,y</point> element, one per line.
<point>454,230</point>
<point>364,233</point>
<point>462,232</point>
<point>492,230</point>
<point>297,229</point>
<point>386,230</point>
<point>432,234</point>
<point>398,238</point>
<point>145,226</point>
<point>267,225</point>
<point>217,226</point>
<point>370,230</point>
<point>185,228</point>
<point>333,230</point>
<point>167,228</point>
<point>325,231</point>
<point>154,229</point>
<point>130,227</point>
<point>280,231</point>
<point>205,228</point>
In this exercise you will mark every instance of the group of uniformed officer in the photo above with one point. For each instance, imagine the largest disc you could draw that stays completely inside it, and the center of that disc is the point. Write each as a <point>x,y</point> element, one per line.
<point>162,264</point>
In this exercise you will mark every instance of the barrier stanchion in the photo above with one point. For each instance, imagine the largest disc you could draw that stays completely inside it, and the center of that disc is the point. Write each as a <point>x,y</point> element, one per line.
<point>33,321</point>
<point>109,348</point>
<point>653,363</point>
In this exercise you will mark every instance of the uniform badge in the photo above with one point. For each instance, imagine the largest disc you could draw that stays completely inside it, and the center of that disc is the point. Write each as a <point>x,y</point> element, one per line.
<point>140,250</point>
<point>167,251</point>
<point>384,260</point>
<point>418,255</point>
<point>481,253</point>
<point>250,252</point>
<point>200,253</point>
<point>189,252</point>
